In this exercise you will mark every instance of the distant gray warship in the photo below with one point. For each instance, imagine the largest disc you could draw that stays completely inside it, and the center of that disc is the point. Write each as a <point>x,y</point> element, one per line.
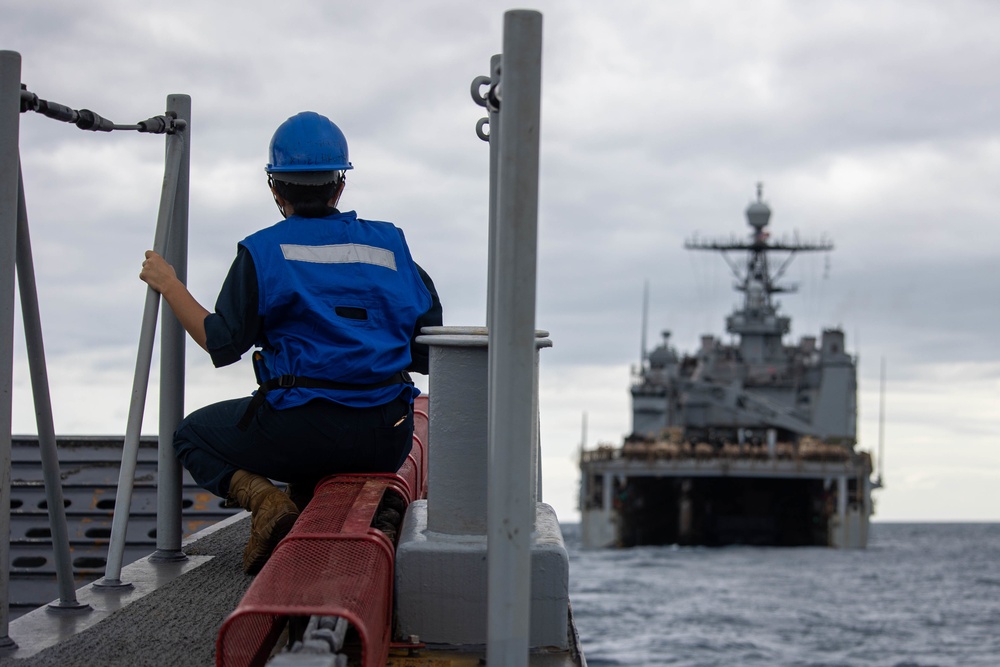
<point>749,443</point>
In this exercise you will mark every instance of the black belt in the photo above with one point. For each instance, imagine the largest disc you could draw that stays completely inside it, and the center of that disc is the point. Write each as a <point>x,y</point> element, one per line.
<point>288,381</point>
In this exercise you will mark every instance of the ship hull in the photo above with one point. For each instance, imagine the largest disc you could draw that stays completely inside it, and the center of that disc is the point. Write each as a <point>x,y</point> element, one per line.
<point>715,501</point>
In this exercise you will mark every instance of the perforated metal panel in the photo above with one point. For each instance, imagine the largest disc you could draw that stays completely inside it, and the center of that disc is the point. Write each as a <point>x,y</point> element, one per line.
<point>330,506</point>
<point>421,421</point>
<point>407,476</point>
<point>89,471</point>
<point>332,563</point>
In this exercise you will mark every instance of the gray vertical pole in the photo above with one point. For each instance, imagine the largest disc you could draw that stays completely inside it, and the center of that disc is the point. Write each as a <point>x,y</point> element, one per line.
<point>864,483</point>
<point>606,491</point>
<point>495,129</point>
<point>140,380</point>
<point>512,347</point>
<point>842,509</point>
<point>172,340</point>
<point>536,444</point>
<point>43,411</point>
<point>881,422</point>
<point>491,267</point>
<point>10,110</point>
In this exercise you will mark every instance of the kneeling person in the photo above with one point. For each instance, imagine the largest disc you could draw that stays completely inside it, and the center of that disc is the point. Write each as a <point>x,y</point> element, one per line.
<point>333,304</point>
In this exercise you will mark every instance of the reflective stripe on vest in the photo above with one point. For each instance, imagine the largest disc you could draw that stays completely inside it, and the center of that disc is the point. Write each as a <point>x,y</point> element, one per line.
<point>342,253</point>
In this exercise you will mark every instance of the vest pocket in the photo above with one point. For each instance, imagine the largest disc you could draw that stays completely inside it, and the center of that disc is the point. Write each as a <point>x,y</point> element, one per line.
<point>352,312</point>
<point>356,313</point>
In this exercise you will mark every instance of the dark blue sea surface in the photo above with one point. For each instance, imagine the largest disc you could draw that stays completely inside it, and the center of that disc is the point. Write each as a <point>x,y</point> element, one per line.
<point>920,595</point>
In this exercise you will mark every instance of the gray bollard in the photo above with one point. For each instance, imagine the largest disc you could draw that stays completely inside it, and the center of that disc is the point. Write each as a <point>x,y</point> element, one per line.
<point>457,466</point>
<point>441,558</point>
<point>459,402</point>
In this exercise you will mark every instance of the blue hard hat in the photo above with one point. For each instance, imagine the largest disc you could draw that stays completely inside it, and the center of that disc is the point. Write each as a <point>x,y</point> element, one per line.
<point>309,149</point>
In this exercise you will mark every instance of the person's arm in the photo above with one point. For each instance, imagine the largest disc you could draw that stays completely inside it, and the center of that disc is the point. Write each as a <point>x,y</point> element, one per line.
<point>160,276</point>
<point>419,354</point>
<point>236,324</point>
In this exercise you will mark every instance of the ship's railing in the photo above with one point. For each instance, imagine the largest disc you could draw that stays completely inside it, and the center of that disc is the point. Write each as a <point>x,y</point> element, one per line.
<point>807,449</point>
<point>513,431</point>
<point>514,104</point>
<point>170,240</point>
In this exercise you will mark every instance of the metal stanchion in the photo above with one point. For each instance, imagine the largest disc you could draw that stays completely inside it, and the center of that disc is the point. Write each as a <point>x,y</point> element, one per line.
<point>10,109</point>
<point>140,381</point>
<point>511,508</point>
<point>15,250</point>
<point>43,413</point>
<point>491,101</point>
<point>172,340</point>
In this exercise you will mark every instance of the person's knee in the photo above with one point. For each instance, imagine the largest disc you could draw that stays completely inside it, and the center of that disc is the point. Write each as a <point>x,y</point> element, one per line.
<point>182,442</point>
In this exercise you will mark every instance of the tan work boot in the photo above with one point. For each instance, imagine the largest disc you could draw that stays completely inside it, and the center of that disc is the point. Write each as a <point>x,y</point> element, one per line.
<point>273,514</point>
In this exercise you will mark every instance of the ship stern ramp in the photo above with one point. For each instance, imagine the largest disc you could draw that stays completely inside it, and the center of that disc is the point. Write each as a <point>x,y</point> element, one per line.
<point>647,495</point>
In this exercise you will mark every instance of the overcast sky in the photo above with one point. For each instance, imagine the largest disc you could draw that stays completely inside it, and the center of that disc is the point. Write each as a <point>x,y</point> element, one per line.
<point>872,124</point>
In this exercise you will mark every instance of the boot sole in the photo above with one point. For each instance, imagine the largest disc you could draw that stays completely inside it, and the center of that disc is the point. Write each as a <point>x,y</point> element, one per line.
<point>252,564</point>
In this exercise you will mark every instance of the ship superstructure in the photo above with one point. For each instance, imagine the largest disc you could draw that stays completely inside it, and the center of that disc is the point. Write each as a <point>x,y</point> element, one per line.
<point>750,441</point>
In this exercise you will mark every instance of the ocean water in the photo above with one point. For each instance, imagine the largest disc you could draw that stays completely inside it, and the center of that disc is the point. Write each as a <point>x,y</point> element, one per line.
<point>921,595</point>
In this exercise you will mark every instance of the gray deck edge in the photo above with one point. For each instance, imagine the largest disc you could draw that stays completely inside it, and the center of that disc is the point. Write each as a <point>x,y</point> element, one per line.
<point>47,628</point>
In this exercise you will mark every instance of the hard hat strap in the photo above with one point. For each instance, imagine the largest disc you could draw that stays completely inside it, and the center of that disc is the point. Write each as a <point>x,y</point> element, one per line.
<point>270,184</point>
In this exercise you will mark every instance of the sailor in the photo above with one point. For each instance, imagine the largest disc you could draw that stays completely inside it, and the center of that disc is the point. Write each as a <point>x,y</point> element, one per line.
<point>332,303</point>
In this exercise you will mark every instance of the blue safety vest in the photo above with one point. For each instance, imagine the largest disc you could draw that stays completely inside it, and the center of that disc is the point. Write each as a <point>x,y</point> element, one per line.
<point>340,298</point>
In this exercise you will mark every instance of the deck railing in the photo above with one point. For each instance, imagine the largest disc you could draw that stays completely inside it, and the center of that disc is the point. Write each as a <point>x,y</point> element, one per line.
<point>15,257</point>
<point>514,476</point>
<point>514,103</point>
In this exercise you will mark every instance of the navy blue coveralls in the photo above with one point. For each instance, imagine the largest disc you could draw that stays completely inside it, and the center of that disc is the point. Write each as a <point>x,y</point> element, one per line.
<point>301,435</point>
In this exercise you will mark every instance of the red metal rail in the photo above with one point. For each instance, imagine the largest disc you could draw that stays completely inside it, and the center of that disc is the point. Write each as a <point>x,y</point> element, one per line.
<point>332,563</point>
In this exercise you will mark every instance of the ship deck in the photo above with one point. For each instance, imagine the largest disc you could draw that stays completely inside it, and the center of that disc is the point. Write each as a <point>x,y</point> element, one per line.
<point>170,616</point>
<point>720,467</point>
<point>173,612</point>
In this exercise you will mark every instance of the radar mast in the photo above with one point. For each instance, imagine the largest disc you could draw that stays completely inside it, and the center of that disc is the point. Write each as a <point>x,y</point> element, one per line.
<point>755,278</point>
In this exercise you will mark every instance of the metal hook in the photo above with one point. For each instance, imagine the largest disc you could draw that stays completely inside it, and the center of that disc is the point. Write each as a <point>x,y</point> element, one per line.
<point>493,95</point>
<point>490,99</point>
<point>477,95</point>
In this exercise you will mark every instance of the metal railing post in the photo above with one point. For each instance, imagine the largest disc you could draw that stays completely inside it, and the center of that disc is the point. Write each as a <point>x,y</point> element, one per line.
<point>511,510</point>
<point>43,412</point>
<point>172,340</point>
<point>491,102</point>
<point>10,110</point>
<point>494,138</point>
<point>140,380</point>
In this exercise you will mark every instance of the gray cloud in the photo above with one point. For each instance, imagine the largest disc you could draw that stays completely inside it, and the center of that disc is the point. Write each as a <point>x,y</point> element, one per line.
<point>871,124</point>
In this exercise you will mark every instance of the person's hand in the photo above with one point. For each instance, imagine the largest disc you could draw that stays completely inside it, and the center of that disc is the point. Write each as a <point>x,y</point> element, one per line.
<point>156,272</point>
